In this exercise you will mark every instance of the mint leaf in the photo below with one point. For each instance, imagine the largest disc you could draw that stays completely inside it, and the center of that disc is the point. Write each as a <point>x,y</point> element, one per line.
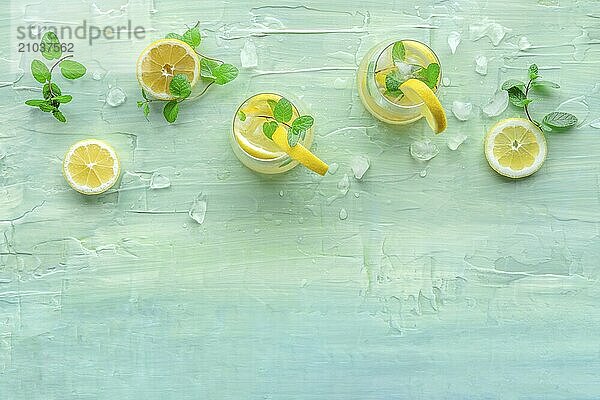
<point>35,103</point>
<point>283,110</point>
<point>430,75</point>
<point>393,81</point>
<point>144,95</point>
<point>47,107</point>
<point>180,86</point>
<point>545,84</point>
<point>301,125</point>
<point>533,72</point>
<point>517,97</point>
<point>171,111</point>
<point>269,128</point>
<point>511,83</point>
<point>72,69</point>
<point>59,116</point>
<point>50,46</point>
<point>560,120</point>
<point>192,37</point>
<point>40,72</point>
<point>241,115</point>
<point>293,138</point>
<point>146,110</point>
<point>272,104</point>
<point>174,36</point>
<point>207,68</point>
<point>225,73</point>
<point>46,90</point>
<point>140,104</point>
<point>63,99</point>
<point>398,51</point>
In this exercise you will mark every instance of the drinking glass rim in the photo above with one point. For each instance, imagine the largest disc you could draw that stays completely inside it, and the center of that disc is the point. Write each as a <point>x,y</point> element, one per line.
<point>372,76</point>
<point>282,158</point>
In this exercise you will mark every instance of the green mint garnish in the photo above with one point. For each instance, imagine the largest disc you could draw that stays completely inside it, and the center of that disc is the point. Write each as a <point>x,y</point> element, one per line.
<point>430,75</point>
<point>180,86</point>
<point>192,36</point>
<point>50,46</point>
<point>72,69</point>
<point>241,115</point>
<point>282,114</point>
<point>171,111</point>
<point>393,81</point>
<point>269,128</point>
<point>51,49</point>
<point>518,95</point>
<point>398,51</point>
<point>212,71</point>
<point>560,120</point>
<point>40,72</point>
<point>283,110</point>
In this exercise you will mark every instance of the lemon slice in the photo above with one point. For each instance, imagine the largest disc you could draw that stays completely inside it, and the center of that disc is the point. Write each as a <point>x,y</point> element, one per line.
<point>299,153</point>
<point>91,166</point>
<point>161,61</point>
<point>419,92</point>
<point>515,148</point>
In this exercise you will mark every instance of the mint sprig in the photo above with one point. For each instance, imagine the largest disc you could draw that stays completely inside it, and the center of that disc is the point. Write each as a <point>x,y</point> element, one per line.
<point>518,95</point>
<point>283,114</point>
<point>51,49</point>
<point>394,79</point>
<point>212,71</point>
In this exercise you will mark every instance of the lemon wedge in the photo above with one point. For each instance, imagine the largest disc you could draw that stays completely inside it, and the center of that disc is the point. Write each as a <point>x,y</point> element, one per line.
<point>299,152</point>
<point>161,61</point>
<point>91,167</point>
<point>418,92</point>
<point>515,148</point>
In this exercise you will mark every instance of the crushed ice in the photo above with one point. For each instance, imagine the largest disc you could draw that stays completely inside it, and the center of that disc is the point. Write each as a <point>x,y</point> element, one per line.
<point>359,166</point>
<point>497,105</point>
<point>481,65</point>
<point>197,211</point>
<point>462,111</point>
<point>453,41</point>
<point>423,150</point>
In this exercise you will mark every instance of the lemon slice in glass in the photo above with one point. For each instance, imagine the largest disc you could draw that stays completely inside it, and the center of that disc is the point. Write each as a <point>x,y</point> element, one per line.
<point>299,153</point>
<point>418,92</point>
<point>515,148</point>
<point>161,61</point>
<point>91,167</point>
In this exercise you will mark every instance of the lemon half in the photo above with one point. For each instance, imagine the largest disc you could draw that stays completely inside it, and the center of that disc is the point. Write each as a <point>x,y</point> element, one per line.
<point>91,167</point>
<point>515,148</point>
<point>161,61</point>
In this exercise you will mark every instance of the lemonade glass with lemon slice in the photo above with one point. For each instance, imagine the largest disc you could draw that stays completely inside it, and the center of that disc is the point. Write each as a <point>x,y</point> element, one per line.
<point>398,82</point>
<point>260,140</point>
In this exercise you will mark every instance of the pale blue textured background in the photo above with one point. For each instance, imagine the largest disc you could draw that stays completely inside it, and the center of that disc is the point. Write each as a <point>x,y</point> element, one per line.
<point>458,284</point>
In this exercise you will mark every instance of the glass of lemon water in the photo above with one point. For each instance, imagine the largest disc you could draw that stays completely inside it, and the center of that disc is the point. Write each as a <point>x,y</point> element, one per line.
<point>249,142</point>
<point>385,68</point>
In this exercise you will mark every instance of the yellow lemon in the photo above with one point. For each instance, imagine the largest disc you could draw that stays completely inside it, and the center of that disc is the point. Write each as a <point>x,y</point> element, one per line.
<point>418,92</point>
<point>91,167</point>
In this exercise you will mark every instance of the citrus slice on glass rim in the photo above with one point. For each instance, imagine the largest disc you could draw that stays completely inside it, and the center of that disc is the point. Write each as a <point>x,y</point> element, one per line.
<point>418,92</point>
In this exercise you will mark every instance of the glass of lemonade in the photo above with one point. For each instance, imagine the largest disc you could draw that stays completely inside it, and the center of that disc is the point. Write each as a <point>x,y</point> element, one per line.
<point>249,142</point>
<point>385,67</point>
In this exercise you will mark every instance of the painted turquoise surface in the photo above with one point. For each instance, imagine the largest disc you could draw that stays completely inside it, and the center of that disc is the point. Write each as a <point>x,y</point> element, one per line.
<point>444,281</point>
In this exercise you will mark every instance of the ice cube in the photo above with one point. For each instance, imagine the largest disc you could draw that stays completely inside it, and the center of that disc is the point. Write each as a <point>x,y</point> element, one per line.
<point>481,65</point>
<point>339,83</point>
<point>343,214</point>
<point>524,44</point>
<point>159,181</point>
<point>344,185</point>
<point>497,105</point>
<point>593,124</point>
<point>423,150</point>
<point>115,96</point>
<point>453,41</point>
<point>248,55</point>
<point>333,167</point>
<point>197,211</point>
<point>455,141</point>
<point>359,166</point>
<point>404,69</point>
<point>462,111</point>
<point>493,30</point>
